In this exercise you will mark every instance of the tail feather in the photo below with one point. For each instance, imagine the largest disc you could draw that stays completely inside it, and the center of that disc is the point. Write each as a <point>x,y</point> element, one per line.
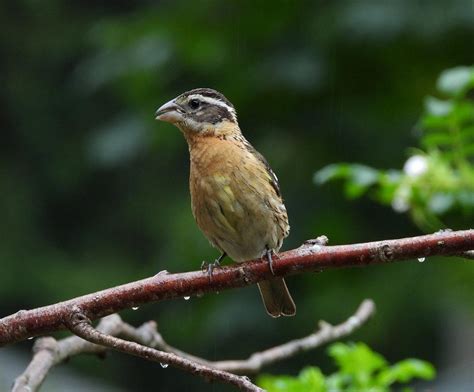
<point>277,298</point>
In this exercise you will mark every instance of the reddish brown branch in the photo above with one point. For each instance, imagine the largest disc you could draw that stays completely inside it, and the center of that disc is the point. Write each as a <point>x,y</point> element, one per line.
<point>309,257</point>
<point>49,352</point>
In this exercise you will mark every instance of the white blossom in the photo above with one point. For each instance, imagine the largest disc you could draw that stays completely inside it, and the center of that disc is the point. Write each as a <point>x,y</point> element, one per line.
<point>415,166</point>
<point>400,202</point>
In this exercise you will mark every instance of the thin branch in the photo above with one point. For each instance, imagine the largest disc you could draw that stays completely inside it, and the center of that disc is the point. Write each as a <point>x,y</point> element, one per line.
<point>48,352</point>
<point>80,325</point>
<point>45,353</point>
<point>309,257</point>
<point>326,333</point>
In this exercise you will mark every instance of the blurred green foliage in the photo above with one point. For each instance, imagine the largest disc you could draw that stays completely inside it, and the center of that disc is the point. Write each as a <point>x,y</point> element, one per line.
<point>94,193</point>
<point>359,369</point>
<point>436,181</point>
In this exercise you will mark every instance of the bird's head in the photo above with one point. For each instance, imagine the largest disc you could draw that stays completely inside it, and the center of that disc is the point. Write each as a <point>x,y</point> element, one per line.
<point>199,111</point>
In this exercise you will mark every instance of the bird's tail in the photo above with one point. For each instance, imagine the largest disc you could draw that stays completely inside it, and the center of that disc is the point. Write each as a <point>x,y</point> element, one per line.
<point>277,298</point>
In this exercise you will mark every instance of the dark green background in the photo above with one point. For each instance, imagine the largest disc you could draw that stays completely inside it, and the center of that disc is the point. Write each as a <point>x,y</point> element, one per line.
<point>94,193</point>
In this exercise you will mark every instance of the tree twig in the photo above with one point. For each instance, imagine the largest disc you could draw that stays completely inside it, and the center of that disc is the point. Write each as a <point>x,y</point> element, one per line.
<point>80,325</point>
<point>252,365</point>
<point>48,352</point>
<point>163,286</point>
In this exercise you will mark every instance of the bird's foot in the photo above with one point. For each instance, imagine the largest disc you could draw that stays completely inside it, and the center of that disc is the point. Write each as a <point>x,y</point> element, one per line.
<point>209,267</point>
<point>269,253</point>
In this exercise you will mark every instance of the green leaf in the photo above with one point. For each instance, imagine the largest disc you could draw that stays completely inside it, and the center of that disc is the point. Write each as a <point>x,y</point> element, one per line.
<point>406,370</point>
<point>359,177</point>
<point>356,358</point>
<point>310,379</point>
<point>386,192</point>
<point>360,369</point>
<point>279,383</point>
<point>363,175</point>
<point>456,80</point>
<point>430,121</point>
<point>437,139</point>
<point>463,113</point>
<point>336,382</point>
<point>469,149</point>
<point>331,172</point>
<point>467,134</point>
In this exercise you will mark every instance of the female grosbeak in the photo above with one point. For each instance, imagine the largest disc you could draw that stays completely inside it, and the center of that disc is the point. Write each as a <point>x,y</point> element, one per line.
<point>235,195</point>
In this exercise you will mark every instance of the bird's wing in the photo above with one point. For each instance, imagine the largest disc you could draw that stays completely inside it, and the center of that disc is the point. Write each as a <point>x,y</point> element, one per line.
<point>272,176</point>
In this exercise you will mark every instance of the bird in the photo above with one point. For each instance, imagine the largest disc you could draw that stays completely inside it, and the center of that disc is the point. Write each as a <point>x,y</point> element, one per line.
<point>235,195</point>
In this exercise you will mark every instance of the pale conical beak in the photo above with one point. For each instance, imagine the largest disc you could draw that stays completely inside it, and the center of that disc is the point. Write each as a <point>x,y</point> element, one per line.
<point>169,112</point>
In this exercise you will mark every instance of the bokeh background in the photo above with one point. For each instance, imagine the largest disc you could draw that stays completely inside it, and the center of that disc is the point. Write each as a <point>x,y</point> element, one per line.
<point>94,192</point>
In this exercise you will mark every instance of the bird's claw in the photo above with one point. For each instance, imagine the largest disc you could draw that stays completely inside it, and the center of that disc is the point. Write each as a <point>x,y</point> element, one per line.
<point>268,253</point>
<point>209,267</point>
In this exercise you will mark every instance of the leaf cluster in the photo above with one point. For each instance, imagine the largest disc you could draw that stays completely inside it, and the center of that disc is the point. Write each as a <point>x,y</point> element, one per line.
<point>437,180</point>
<point>359,369</point>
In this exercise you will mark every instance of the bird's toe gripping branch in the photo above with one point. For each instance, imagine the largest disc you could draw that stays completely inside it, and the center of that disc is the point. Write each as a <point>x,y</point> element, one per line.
<point>209,267</point>
<point>269,253</point>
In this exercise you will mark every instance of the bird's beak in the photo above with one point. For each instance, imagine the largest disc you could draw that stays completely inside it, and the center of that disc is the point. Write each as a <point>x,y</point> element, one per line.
<point>169,112</point>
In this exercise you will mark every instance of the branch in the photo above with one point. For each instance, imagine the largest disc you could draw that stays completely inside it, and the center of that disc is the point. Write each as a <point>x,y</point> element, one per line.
<point>309,257</point>
<point>80,325</point>
<point>326,333</point>
<point>48,352</point>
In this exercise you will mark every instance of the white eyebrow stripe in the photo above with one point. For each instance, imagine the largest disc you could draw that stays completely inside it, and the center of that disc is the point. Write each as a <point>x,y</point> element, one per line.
<point>214,101</point>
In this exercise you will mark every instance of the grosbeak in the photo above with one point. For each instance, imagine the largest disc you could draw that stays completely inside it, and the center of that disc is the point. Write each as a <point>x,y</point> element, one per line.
<point>235,195</point>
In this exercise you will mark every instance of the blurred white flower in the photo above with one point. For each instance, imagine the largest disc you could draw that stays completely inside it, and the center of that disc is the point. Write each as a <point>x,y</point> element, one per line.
<point>400,202</point>
<point>415,166</point>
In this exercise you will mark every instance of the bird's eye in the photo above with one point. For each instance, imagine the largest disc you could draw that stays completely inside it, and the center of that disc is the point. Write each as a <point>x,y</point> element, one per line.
<point>194,103</point>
